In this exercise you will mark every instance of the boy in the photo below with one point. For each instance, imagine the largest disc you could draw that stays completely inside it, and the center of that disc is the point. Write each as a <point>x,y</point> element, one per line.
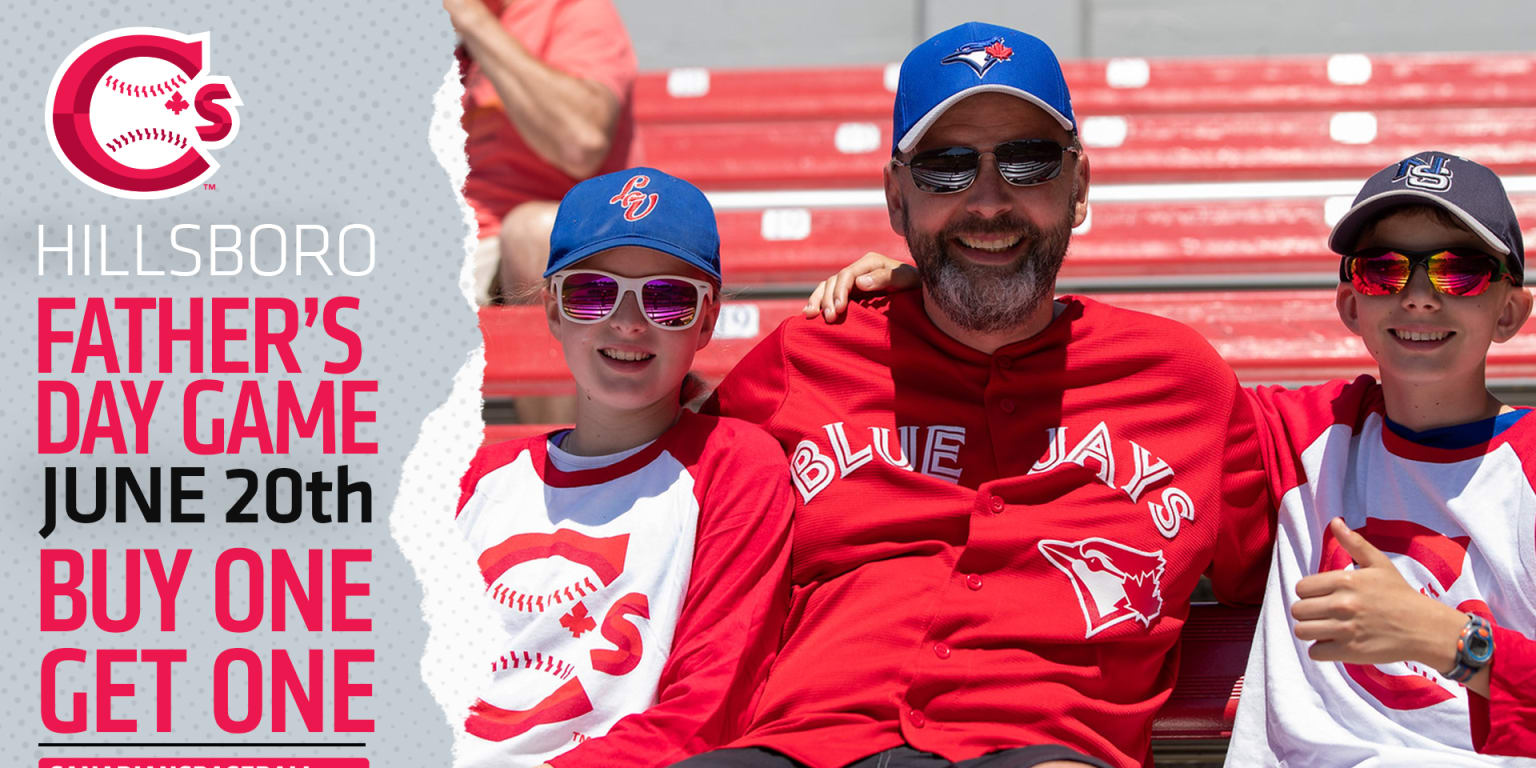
<point>638,561</point>
<point>1426,465</point>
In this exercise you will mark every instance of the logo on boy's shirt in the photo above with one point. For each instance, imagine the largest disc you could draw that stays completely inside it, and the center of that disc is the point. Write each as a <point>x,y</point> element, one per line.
<point>1113,582</point>
<point>1432,175</point>
<point>1442,558</point>
<point>134,112</point>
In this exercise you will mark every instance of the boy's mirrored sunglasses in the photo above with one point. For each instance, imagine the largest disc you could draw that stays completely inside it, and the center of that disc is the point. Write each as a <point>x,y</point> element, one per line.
<point>1022,163</point>
<point>669,302</point>
<point>1453,271</point>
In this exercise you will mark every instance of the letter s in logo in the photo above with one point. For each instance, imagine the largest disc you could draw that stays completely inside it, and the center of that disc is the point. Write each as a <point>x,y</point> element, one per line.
<point>623,634</point>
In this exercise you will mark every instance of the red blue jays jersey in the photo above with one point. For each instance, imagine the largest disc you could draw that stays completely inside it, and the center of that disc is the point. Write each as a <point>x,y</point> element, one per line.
<point>1459,524</point>
<point>640,603</point>
<point>996,550</point>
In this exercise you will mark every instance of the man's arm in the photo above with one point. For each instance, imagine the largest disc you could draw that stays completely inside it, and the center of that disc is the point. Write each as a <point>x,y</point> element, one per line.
<point>569,121</point>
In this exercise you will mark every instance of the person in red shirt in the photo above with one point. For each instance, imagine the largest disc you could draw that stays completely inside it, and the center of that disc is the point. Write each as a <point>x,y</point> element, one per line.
<point>546,104</point>
<point>1003,500</point>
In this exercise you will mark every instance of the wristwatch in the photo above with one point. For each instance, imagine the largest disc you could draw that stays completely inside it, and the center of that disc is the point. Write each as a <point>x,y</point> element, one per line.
<point>1474,649</point>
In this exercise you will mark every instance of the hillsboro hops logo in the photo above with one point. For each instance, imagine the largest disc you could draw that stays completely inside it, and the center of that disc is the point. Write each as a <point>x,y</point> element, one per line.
<point>1432,175</point>
<point>637,204</point>
<point>1114,583</point>
<point>980,56</point>
<point>133,112</point>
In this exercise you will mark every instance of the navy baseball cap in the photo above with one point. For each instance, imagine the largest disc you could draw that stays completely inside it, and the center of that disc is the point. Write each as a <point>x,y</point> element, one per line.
<point>975,58</point>
<point>1465,189</point>
<point>638,206</point>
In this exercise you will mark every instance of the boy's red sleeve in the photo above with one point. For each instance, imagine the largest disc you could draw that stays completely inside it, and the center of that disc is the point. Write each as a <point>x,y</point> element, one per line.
<point>1246,537</point>
<point>1505,722</point>
<point>733,612</point>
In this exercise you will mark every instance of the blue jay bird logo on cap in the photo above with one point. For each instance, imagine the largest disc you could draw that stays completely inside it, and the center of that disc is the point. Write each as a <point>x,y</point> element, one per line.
<point>980,56</point>
<point>1431,175</point>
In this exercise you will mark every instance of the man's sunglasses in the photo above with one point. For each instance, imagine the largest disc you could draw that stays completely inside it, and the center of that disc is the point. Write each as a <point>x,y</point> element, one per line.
<point>1453,271</point>
<point>1022,163</point>
<point>669,302</point>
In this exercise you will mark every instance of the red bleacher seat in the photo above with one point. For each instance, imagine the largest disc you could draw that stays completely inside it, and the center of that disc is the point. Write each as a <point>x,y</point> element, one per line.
<point>1231,146</point>
<point>1120,86</point>
<point>500,433</point>
<point>1267,336</point>
<point>1126,240</point>
<point>1212,657</point>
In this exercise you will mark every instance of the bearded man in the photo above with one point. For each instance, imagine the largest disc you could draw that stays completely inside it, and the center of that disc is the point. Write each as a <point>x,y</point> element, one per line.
<point>1005,498</point>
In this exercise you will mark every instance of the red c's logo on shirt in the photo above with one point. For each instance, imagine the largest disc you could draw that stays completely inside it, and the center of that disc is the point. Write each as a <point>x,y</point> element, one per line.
<point>1443,558</point>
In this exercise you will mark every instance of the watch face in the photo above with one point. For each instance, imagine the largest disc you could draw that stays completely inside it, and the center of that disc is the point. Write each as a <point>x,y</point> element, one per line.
<point>1479,645</point>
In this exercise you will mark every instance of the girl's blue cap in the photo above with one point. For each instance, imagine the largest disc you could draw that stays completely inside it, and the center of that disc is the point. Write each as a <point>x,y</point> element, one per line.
<point>638,206</point>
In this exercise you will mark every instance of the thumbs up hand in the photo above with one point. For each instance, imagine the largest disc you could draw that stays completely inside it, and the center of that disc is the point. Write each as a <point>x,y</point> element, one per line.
<point>1371,615</point>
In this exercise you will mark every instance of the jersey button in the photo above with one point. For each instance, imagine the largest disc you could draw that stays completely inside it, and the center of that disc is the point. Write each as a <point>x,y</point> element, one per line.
<point>1006,406</point>
<point>941,650</point>
<point>917,718</point>
<point>997,505</point>
<point>1005,363</point>
<point>973,581</point>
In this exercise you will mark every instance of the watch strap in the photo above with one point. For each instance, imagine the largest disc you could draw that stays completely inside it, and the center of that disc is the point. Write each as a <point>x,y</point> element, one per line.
<point>1474,648</point>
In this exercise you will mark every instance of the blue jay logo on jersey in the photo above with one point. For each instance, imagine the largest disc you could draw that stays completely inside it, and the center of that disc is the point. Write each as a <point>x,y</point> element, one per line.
<point>1431,175</point>
<point>981,55</point>
<point>1114,583</point>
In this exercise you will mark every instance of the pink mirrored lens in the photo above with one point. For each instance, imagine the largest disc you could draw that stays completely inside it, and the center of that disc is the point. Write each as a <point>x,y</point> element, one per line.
<point>670,303</point>
<point>588,297</point>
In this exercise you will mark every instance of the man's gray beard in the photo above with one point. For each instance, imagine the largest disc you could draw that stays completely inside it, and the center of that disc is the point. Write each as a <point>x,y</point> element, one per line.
<point>985,298</point>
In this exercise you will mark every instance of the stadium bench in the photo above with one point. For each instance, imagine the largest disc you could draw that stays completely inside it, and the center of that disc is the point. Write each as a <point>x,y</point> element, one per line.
<point>1123,244</point>
<point>1115,86</point>
<point>1140,148</point>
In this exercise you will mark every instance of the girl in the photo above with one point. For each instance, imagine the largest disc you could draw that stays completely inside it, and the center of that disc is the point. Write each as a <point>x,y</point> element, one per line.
<point>637,561</point>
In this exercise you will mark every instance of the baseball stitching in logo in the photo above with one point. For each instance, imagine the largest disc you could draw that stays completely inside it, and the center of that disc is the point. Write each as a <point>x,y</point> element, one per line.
<point>134,112</point>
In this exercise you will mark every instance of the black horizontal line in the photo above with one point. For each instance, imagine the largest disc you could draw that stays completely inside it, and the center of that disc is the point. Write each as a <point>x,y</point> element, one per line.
<point>241,744</point>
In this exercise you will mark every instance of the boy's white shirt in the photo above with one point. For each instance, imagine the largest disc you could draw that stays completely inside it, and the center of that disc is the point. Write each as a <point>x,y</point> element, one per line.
<point>1471,522</point>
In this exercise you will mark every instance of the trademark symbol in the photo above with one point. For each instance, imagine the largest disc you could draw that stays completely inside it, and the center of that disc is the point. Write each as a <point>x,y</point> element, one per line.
<point>210,186</point>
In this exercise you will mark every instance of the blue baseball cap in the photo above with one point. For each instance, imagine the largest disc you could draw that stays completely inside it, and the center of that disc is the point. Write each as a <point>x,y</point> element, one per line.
<point>1465,189</point>
<point>970,59</point>
<point>638,206</point>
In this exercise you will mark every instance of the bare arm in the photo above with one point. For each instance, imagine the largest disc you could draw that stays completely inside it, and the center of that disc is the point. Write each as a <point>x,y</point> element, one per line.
<point>568,121</point>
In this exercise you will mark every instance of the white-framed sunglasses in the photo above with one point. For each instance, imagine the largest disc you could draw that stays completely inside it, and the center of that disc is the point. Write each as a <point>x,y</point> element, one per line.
<point>669,302</point>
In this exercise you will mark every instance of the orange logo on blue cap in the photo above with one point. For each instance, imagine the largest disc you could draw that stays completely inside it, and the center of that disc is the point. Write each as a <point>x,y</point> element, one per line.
<point>633,199</point>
